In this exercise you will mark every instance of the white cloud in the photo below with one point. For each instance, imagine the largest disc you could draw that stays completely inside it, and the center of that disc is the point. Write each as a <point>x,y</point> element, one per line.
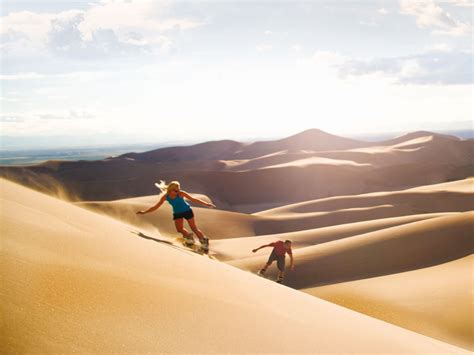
<point>9,118</point>
<point>410,68</point>
<point>123,17</point>
<point>297,48</point>
<point>439,47</point>
<point>430,15</point>
<point>431,67</point>
<point>382,11</point>
<point>115,27</point>
<point>78,75</point>
<point>368,23</point>
<point>9,99</point>
<point>67,115</point>
<point>23,76</point>
<point>263,47</point>
<point>328,58</point>
<point>464,3</point>
<point>33,26</point>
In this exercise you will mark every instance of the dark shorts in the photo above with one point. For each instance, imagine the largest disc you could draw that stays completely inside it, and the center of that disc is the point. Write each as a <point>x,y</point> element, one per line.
<point>188,215</point>
<point>280,259</point>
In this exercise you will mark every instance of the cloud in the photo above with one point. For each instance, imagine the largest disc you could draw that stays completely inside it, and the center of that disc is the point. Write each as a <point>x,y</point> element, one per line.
<point>9,99</point>
<point>383,11</point>
<point>463,3</point>
<point>148,16</point>
<point>328,58</point>
<point>77,75</point>
<point>427,68</point>
<point>7,118</point>
<point>297,48</point>
<point>264,47</point>
<point>70,115</point>
<point>439,47</point>
<point>430,15</point>
<point>23,76</point>
<point>66,39</point>
<point>368,23</point>
<point>116,28</point>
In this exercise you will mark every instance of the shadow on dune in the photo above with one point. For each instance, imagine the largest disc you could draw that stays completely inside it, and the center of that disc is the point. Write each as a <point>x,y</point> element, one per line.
<point>144,236</point>
<point>170,244</point>
<point>389,251</point>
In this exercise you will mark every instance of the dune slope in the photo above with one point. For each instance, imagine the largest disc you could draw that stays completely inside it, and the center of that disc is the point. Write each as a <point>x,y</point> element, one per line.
<point>436,301</point>
<point>75,281</point>
<point>391,250</point>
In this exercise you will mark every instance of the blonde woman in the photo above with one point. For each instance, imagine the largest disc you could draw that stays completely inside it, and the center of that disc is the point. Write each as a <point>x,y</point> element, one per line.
<point>181,210</point>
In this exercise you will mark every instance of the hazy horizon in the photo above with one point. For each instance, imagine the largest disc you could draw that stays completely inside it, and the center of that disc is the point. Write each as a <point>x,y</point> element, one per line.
<point>27,155</point>
<point>7,143</point>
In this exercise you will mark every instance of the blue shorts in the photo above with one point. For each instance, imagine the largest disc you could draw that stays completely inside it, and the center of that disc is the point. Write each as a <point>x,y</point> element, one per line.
<point>187,214</point>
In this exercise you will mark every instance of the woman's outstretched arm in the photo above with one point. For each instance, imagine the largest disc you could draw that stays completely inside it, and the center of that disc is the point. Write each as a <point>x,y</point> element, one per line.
<point>196,200</point>
<point>154,207</point>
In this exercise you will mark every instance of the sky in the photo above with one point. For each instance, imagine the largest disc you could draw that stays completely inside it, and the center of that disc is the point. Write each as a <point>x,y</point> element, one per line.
<point>104,72</point>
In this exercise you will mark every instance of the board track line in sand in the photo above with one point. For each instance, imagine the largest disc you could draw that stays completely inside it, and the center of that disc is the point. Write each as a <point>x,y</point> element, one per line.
<point>173,245</point>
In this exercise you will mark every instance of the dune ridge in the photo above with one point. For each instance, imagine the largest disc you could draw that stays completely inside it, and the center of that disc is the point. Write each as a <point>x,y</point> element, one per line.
<point>391,250</point>
<point>243,177</point>
<point>78,281</point>
<point>435,301</point>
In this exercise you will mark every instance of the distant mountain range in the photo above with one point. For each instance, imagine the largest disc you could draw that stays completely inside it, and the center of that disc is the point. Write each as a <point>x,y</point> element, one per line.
<point>239,176</point>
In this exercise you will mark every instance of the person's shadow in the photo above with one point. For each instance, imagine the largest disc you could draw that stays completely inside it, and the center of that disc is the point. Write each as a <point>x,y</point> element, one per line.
<point>144,236</point>
<point>167,242</point>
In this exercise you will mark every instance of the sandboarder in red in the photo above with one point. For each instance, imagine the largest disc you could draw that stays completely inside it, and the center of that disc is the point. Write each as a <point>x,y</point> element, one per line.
<point>280,249</point>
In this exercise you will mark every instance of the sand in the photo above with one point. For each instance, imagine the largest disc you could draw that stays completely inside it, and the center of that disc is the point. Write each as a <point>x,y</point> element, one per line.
<point>435,301</point>
<point>382,237</point>
<point>76,281</point>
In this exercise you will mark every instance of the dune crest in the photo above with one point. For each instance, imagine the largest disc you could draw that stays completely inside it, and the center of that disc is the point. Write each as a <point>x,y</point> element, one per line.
<point>249,177</point>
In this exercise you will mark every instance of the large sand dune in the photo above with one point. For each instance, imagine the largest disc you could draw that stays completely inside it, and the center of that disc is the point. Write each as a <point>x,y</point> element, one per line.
<point>239,248</point>
<point>436,301</point>
<point>249,177</point>
<point>391,250</point>
<point>218,224</point>
<point>415,204</point>
<point>454,196</point>
<point>385,228</point>
<point>75,281</point>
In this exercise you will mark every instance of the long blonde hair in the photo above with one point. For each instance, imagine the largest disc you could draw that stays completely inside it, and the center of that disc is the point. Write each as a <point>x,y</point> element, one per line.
<point>166,188</point>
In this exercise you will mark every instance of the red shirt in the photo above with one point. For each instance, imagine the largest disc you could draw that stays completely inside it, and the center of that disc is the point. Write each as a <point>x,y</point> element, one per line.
<point>279,248</point>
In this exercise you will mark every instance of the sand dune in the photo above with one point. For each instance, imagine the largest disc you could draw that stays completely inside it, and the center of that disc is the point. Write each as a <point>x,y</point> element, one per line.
<point>391,250</point>
<point>445,149</point>
<point>382,229</point>
<point>415,135</point>
<point>75,281</point>
<point>466,185</point>
<point>449,197</point>
<point>312,139</point>
<point>414,204</point>
<point>285,159</point>
<point>435,301</point>
<point>248,177</point>
<point>239,248</point>
<point>453,196</point>
<point>215,223</point>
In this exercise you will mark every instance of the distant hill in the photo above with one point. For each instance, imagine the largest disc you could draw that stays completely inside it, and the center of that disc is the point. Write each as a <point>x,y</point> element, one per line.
<point>310,140</point>
<point>242,176</point>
